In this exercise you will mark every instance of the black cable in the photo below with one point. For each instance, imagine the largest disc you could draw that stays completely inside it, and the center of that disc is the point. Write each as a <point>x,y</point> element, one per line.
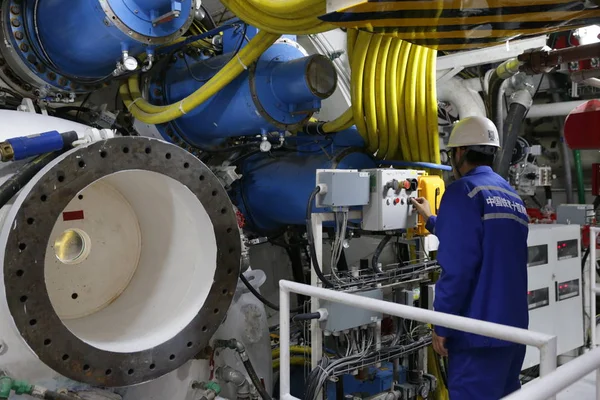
<point>85,100</point>
<point>311,239</point>
<point>256,381</point>
<point>378,251</point>
<point>209,17</point>
<point>306,317</point>
<point>12,186</point>
<point>263,299</point>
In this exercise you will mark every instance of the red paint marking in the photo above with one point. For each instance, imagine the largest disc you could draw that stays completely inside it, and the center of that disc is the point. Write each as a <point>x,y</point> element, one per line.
<point>73,215</point>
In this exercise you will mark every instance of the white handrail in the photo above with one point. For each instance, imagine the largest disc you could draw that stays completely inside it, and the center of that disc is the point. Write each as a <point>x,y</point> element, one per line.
<point>545,343</point>
<point>561,378</point>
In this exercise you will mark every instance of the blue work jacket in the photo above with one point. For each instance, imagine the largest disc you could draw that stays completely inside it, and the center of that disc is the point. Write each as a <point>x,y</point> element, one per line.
<point>482,226</point>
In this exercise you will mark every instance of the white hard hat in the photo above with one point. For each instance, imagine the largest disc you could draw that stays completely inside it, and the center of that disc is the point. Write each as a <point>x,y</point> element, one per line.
<point>474,131</point>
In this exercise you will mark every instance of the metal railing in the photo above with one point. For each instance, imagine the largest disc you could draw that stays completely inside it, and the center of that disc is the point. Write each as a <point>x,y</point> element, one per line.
<point>545,343</point>
<point>575,370</point>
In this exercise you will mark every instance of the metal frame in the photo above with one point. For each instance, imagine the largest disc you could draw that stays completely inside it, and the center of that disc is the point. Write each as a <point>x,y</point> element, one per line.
<point>545,343</point>
<point>570,373</point>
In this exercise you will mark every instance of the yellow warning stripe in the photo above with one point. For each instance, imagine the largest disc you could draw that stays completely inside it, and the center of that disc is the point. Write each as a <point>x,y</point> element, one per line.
<point>474,34</point>
<point>555,17</point>
<point>445,5</point>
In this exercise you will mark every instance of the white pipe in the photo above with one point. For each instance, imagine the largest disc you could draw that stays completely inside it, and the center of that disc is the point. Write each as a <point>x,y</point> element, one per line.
<point>284,343</point>
<point>595,82</point>
<point>545,343</point>
<point>554,109</point>
<point>467,101</point>
<point>559,379</point>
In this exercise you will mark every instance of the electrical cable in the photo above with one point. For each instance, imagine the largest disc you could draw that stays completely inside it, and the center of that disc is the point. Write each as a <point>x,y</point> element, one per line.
<point>14,184</point>
<point>306,317</point>
<point>378,251</point>
<point>263,299</point>
<point>256,380</point>
<point>311,239</point>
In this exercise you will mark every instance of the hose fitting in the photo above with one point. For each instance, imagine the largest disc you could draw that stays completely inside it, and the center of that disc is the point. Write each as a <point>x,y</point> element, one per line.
<point>233,344</point>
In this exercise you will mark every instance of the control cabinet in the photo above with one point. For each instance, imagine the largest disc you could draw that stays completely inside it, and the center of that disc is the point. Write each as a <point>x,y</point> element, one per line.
<point>389,206</point>
<point>555,287</point>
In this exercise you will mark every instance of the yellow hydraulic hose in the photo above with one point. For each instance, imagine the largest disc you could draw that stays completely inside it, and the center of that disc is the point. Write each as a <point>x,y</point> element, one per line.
<point>380,96</point>
<point>421,110</point>
<point>369,90</point>
<point>152,114</point>
<point>401,88</point>
<point>394,99</point>
<point>432,120</point>
<point>300,17</point>
<point>410,100</point>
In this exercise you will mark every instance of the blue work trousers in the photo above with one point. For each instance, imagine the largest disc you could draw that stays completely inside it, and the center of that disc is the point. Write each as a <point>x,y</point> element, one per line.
<point>484,373</point>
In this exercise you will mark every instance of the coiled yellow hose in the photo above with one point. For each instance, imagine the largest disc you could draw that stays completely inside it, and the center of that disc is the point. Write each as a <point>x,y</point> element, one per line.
<point>394,99</point>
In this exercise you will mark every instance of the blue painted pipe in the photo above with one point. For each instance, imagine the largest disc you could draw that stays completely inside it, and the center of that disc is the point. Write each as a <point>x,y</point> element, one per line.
<point>84,39</point>
<point>275,189</point>
<point>281,92</point>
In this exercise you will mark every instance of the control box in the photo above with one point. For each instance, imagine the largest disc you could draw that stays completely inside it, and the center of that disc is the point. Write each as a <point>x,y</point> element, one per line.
<point>578,214</point>
<point>343,317</point>
<point>555,287</point>
<point>345,188</point>
<point>389,205</point>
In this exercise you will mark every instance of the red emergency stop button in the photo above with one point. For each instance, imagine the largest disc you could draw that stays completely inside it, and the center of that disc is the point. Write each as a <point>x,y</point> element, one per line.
<point>406,184</point>
<point>396,201</point>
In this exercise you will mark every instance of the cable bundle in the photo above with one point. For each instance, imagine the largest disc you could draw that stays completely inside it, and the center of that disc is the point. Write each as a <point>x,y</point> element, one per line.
<point>394,98</point>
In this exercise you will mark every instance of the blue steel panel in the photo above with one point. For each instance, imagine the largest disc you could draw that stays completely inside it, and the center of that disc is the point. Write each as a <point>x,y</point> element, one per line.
<point>139,14</point>
<point>275,188</point>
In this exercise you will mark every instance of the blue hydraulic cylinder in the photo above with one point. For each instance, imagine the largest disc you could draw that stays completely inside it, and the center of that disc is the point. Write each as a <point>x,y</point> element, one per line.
<point>280,92</point>
<point>86,38</point>
<point>28,146</point>
<point>275,188</point>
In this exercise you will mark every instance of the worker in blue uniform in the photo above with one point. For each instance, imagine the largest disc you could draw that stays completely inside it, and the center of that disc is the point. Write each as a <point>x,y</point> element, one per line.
<point>482,227</point>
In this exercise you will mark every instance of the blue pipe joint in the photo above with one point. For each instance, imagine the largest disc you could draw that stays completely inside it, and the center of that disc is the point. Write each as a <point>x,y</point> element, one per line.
<point>278,93</point>
<point>35,145</point>
<point>85,39</point>
<point>303,81</point>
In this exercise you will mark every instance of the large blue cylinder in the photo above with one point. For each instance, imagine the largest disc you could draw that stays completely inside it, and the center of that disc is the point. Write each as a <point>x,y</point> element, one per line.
<point>84,39</point>
<point>274,189</point>
<point>280,92</point>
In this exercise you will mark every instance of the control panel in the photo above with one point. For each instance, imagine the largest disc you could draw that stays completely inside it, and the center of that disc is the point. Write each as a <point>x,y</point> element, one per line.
<point>554,287</point>
<point>389,206</point>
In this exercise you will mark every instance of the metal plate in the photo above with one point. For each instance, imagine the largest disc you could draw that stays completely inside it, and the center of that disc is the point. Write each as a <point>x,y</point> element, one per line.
<point>26,291</point>
<point>140,37</point>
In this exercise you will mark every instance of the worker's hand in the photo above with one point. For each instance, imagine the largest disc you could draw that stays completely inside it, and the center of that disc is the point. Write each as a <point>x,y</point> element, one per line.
<point>422,206</point>
<point>439,345</point>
